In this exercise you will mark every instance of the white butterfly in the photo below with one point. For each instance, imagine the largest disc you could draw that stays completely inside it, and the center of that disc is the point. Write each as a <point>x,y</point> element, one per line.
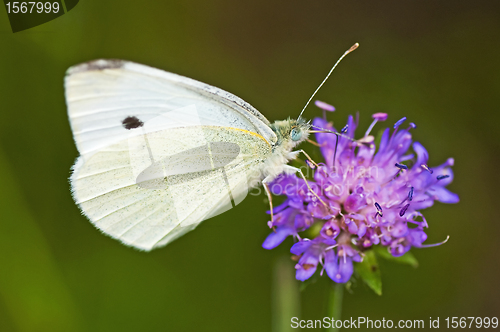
<point>160,153</point>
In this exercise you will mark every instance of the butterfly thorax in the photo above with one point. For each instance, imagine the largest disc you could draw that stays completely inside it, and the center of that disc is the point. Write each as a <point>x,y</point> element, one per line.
<point>289,133</point>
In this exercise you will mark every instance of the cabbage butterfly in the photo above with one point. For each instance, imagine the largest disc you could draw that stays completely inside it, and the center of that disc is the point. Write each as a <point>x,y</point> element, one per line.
<point>160,153</point>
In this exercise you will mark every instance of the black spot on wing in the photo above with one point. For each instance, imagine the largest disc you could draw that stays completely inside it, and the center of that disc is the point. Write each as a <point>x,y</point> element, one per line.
<point>131,122</point>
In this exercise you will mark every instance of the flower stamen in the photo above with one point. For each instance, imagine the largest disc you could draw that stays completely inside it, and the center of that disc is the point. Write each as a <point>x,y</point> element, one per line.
<point>401,166</point>
<point>403,210</point>
<point>424,166</point>
<point>376,117</point>
<point>379,210</point>
<point>399,122</point>
<point>434,244</point>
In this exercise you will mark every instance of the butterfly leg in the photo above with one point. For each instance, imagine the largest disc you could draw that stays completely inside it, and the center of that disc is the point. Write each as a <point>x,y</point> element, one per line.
<point>268,192</point>
<point>312,191</point>
<point>307,156</point>
<point>289,168</point>
<point>314,143</point>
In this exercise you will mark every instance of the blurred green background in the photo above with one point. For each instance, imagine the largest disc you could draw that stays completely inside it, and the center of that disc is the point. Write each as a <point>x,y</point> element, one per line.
<point>436,62</point>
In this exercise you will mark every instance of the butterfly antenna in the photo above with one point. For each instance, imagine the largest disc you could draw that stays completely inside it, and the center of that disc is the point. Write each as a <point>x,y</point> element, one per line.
<point>353,47</point>
<point>322,130</point>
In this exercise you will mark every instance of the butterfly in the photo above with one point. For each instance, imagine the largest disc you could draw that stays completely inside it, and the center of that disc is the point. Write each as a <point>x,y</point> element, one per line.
<point>160,153</point>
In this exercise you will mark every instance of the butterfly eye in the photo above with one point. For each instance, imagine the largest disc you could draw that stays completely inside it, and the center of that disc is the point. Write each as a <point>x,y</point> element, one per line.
<point>296,134</point>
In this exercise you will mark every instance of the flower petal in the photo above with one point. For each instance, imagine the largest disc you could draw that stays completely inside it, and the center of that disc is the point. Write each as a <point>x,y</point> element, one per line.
<point>416,237</point>
<point>324,106</point>
<point>422,154</point>
<point>345,270</point>
<point>443,195</point>
<point>276,238</point>
<point>300,247</point>
<point>305,271</point>
<point>331,264</point>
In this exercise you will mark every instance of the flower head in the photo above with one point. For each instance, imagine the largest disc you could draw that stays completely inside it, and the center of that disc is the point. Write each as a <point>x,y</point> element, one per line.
<point>371,194</point>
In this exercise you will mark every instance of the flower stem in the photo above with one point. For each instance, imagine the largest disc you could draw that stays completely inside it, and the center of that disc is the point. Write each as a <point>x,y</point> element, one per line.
<point>285,295</point>
<point>335,304</point>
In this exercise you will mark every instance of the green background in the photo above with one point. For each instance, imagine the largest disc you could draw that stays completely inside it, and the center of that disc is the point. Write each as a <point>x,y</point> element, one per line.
<point>436,62</point>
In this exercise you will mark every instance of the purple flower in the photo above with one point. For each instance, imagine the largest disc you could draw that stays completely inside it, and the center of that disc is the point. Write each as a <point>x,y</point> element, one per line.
<point>372,195</point>
<point>324,106</point>
<point>310,253</point>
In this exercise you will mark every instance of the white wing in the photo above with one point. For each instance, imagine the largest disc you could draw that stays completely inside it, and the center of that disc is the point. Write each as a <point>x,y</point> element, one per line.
<point>143,177</point>
<point>102,94</point>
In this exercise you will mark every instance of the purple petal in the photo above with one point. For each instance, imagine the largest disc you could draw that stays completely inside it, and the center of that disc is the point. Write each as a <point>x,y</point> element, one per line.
<point>443,195</point>
<point>276,238</point>
<point>345,270</point>
<point>357,258</point>
<point>422,154</point>
<point>400,229</point>
<point>416,237</point>
<point>347,249</point>
<point>280,207</point>
<point>374,238</point>
<point>296,203</point>
<point>303,221</point>
<point>330,230</point>
<point>331,264</point>
<point>324,106</point>
<point>447,172</point>
<point>361,229</point>
<point>305,272</point>
<point>398,249</point>
<point>300,247</point>
<point>325,140</point>
<point>354,202</point>
<point>380,116</point>
<point>307,265</point>
<point>317,210</point>
<point>382,146</point>
<point>328,242</point>
<point>402,142</point>
<point>351,226</point>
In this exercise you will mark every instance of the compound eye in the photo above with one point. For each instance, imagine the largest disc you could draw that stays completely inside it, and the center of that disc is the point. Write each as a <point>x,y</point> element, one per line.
<point>296,134</point>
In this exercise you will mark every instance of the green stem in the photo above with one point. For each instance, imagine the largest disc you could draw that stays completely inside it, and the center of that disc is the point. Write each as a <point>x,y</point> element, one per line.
<point>335,304</point>
<point>286,296</point>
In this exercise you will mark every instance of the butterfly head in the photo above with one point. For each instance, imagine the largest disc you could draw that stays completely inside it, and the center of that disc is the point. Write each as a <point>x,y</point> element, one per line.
<point>291,132</point>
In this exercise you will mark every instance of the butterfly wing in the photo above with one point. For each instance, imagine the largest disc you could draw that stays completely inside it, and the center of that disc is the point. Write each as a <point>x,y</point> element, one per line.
<point>105,97</point>
<point>157,155</point>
